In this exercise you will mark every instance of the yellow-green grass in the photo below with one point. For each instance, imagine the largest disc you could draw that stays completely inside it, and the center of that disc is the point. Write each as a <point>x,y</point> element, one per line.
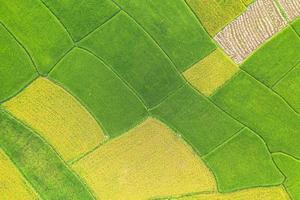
<point>111,101</point>
<point>290,167</point>
<point>288,86</point>
<point>16,69</point>
<point>275,58</point>
<point>135,57</point>
<point>247,2</point>
<point>265,112</point>
<point>296,26</point>
<point>211,72</point>
<point>89,15</point>
<point>262,193</point>
<point>216,14</point>
<point>246,33</point>
<point>39,163</point>
<point>243,162</point>
<point>12,184</point>
<point>58,117</point>
<point>149,160</point>
<point>196,119</point>
<point>37,29</point>
<point>174,27</point>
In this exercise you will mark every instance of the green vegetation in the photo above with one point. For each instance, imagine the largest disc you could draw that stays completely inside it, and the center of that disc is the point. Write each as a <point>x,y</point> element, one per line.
<point>200,122</point>
<point>288,87</point>
<point>174,27</point>
<point>38,162</point>
<point>222,74</point>
<point>16,69</point>
<point>81,17</point>
<point>291,169</point>
<point>216,14</point>
<point>263,111</point>
<point>296,26</point>
<point>97,87</point>
<point>275,58</point>
<point>247,2</point>
<point>135,57</point>
<point>243,162</point>
<point>37,29</point>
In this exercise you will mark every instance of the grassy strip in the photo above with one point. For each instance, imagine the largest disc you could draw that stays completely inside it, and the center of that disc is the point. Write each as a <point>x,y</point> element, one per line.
<point>39,163</point>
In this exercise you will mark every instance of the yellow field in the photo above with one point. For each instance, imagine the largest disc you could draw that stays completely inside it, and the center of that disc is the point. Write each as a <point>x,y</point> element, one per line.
<point>149,160</point>
<point>215,14</point>
<point>212,72</point>
<point>268,193</point>
<point>12,183</point>
<point>58,117</point>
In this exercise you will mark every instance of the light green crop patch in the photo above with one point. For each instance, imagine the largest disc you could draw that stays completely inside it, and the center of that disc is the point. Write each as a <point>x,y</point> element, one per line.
<point>199,122</point>
<point>174,27</point>
<point>290,167</point>
<point>103,93</point>
<point>16,69</point>
<point>269,63</point>
<point>243,162</point>
<point>262,110</point>
<point>80,17</point>
<point>38,30</point>
<point>135,57</point>
<point>216,14</point>
<point>289,86</point>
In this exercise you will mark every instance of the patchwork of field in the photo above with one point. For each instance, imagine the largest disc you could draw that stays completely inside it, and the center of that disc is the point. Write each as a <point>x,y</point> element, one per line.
<point>137,100</point>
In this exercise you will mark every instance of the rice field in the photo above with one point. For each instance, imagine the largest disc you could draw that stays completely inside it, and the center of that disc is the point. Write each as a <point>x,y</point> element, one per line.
<point>149,100</point>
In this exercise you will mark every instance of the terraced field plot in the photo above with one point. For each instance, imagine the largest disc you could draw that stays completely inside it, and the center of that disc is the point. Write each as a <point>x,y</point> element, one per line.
<point>150,100</point>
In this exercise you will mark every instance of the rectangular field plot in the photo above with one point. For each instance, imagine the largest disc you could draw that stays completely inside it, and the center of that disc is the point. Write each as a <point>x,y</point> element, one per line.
<point>105,95</point>
<point>245,34</point>
<point>243,162</point>
<point>12,184</point>
<point>148,161</point>
<point>211,72</point>
<point>81,17</point>
<point>16,69</point>
<point>164,21</point>
<point>37,29</point>
<point>135,58</point>
<point>289,88</point>
<point>58,117</point>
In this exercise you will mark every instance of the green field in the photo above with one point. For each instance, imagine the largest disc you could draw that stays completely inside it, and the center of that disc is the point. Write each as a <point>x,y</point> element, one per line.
<point>16,68</point>
<point>150,100</point>
<point>100,89</point>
